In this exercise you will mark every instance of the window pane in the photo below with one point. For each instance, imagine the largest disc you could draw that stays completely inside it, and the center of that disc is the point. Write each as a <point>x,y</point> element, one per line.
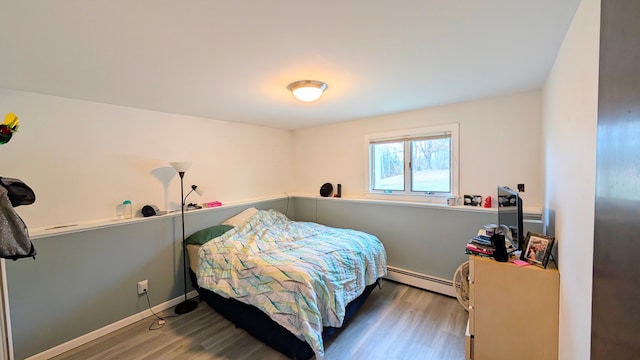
<point>388,166</point>
<point>431,165</point>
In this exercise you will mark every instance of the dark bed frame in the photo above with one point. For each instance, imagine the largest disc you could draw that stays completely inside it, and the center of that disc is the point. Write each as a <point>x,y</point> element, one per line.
<point>260,325</point>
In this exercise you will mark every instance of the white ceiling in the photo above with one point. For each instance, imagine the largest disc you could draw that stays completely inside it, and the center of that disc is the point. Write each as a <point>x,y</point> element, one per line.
<point>232,60</point>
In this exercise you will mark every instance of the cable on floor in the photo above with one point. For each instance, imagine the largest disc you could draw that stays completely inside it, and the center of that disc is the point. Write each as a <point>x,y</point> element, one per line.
<point>159,322</point>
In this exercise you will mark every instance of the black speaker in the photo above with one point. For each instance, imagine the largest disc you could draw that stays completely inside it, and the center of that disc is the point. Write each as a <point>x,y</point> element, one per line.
<point>500,251</point>
<point>326,190</point>
<point>339,194</point>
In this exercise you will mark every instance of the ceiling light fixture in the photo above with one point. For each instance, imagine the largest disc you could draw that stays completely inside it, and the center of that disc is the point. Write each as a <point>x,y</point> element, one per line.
<point>307,90</point>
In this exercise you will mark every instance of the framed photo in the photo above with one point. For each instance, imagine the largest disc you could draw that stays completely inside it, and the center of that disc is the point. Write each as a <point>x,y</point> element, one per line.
<point>537,249</point>
<point>473,200</point>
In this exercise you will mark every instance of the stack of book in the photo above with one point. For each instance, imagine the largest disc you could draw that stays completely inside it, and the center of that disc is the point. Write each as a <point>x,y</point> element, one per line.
<point>480,245</point>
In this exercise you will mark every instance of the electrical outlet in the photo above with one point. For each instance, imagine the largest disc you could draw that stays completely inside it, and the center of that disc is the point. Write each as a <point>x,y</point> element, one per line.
<point>143,286</point>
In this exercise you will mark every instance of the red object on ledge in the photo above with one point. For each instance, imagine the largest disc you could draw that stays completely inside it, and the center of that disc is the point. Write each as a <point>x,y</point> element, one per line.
<point>212,204</point>
<point>487,202</point>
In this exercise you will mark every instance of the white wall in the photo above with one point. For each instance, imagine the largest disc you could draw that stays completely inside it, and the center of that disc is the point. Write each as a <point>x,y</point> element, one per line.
<point>570,101</point>
<point>83,158</point>
<point>499,145</point>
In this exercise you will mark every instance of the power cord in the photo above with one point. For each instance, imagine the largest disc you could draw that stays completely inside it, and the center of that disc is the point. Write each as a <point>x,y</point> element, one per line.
<point>159,322</point>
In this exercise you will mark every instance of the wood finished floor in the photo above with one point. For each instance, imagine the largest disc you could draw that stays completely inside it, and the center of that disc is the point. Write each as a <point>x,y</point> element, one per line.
<point>396,322</point>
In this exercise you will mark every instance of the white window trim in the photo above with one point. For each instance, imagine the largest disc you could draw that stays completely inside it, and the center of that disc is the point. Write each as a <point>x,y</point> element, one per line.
<point>424,131</point>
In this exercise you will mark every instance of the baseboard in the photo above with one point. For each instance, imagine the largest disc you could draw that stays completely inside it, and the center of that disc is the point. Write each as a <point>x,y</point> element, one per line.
<point>422,281</point>
<point>74,343</point>
<point>427,282</point>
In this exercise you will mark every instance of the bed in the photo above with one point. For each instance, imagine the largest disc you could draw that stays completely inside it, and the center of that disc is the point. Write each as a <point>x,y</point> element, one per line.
<point>290,284</point>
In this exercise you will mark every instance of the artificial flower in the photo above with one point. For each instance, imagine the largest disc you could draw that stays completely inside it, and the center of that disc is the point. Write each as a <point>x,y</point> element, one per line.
<point>11,121</point>
<point>7,128</point>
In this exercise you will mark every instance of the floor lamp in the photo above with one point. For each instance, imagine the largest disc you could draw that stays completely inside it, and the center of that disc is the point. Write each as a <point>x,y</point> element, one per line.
<point>187,305</point>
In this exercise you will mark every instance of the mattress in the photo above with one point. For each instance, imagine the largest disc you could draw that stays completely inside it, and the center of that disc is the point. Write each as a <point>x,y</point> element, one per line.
<point>301,276</point>
<point>259,325</point>
<point>192,253</point>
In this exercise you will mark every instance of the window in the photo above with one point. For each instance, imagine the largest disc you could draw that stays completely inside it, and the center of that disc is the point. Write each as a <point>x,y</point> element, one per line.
<point>414,162</point>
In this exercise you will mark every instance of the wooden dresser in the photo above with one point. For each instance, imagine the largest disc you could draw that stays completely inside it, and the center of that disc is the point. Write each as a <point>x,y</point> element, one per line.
<point>513,311</point>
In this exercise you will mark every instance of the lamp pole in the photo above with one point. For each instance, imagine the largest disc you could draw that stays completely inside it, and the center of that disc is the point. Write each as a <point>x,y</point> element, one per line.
<point>187,305</point>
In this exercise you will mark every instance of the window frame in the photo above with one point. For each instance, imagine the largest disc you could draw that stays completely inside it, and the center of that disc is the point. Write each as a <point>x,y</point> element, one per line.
<point>406,136</point>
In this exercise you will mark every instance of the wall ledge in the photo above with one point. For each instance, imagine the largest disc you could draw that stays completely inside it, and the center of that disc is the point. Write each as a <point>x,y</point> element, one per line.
<point>74,227</point>
<point>527,211</point>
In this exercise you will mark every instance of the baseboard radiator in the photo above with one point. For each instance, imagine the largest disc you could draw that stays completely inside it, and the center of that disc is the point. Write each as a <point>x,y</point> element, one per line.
<point>431,283</point>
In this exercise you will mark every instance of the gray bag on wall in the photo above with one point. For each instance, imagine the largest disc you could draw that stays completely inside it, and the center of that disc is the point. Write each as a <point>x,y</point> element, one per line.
<point>14,236</point>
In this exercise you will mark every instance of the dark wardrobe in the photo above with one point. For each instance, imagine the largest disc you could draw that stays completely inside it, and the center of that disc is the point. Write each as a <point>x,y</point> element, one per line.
<point>615,331</point>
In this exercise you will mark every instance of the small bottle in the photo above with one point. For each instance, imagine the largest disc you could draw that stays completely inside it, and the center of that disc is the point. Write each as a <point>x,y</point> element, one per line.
<point>127,213</point>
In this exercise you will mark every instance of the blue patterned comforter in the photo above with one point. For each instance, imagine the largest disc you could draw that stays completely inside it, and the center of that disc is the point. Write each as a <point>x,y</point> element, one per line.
<point>302,274</point>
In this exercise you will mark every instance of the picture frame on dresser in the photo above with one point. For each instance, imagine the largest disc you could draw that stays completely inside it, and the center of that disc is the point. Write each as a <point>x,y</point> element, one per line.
<point>537,249</point>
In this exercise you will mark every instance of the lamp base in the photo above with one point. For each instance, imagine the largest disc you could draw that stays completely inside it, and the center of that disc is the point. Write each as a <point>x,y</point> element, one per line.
<point>186,307</point>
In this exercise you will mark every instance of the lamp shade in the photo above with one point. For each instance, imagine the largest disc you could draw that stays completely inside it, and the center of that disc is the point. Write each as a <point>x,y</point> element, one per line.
<point>307,90</point>
<point>181,166</point>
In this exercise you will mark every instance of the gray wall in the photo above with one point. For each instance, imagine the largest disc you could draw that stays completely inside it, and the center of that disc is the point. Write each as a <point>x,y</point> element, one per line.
<point>425,239</point>
<point>83,281</point>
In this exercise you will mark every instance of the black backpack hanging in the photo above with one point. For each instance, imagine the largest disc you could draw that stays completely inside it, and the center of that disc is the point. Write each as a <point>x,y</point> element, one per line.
<point>14,236</point>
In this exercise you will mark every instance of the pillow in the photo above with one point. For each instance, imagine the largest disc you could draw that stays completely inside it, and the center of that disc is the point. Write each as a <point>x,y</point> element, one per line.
<point>240,218</point>
<point>202,236</point>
